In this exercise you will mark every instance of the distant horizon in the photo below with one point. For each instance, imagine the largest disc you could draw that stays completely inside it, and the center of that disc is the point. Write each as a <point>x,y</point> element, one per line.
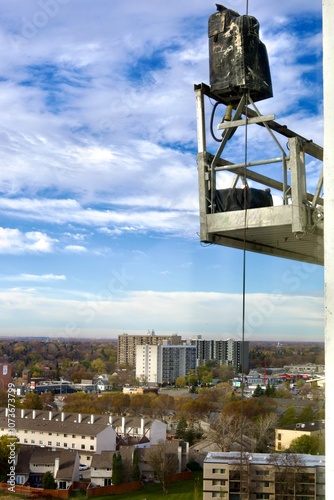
<point>95,338</point>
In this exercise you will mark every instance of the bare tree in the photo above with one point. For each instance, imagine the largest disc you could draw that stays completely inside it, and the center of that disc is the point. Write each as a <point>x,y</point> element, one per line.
<point>163,461</point>
<point>288,469</point>
<point>226,430</point>
<point>261,430</point>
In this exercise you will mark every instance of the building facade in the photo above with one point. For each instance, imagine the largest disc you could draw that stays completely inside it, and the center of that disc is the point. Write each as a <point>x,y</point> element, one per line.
<point>86,433</point>
<point>163,364</point>
<point>285,435</point>
<point>126,345</point>
<point>228,352</point>
<point>263,476</point>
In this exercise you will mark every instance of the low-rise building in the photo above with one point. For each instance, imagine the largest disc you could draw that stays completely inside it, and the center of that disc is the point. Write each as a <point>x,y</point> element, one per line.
<point>261,475</point>
<point>86,433</point>
<point>285,435</point>
<point>33,462</point>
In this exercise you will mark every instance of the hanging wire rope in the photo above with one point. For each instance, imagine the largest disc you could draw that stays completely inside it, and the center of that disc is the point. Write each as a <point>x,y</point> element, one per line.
<point>244,295</point>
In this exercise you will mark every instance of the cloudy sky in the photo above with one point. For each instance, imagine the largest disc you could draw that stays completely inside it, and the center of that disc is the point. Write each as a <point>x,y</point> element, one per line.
<point>98,176</point>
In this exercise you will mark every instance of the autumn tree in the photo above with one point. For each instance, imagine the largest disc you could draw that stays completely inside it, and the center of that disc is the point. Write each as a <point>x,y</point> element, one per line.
<point>162,405</point>
<point>80,402</point>
<point>32,401</point>
<point>163,461</point>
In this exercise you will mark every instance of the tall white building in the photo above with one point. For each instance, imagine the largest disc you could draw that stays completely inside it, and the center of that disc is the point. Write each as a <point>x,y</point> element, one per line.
<point>163,364</point>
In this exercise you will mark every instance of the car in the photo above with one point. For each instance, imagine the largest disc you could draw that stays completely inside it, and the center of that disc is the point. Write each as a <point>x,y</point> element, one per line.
<point>83,467</point>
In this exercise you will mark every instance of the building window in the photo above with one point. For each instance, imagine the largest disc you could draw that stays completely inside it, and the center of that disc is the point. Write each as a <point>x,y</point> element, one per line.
<point>91,447</point>
<point>62,485</point>
<point>73,436</point>
<point>57,443</point>
<point>65,435</point>
<point>20,479</point>
<point>218,482</point>
<point>32,441</point>
<point>49,443</point>
<point>218,471</point>
<point>83,437</point>
<point>65,445</point>
<point>83,446</point>
<point>73,445</point>
<point>279,436</point>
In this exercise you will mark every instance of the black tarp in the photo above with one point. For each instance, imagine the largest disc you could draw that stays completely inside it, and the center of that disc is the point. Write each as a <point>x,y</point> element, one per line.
<point>228,200</point>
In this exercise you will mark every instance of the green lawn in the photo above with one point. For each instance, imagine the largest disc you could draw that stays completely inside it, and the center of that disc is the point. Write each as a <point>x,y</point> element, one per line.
<point>183,490</point>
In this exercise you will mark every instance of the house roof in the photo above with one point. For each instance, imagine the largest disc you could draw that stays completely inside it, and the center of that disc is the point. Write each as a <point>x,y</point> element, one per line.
<point>74,423</point>
<point>317,425</point>
<point>102,460</point>
<point>35,455</point>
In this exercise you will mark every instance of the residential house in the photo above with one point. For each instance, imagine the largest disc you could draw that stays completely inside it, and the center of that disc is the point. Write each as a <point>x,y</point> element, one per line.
<point>86,433</point>
<point>33,462</point>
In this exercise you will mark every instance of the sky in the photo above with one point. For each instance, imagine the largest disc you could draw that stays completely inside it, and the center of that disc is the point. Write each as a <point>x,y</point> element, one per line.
<point>99,216</point>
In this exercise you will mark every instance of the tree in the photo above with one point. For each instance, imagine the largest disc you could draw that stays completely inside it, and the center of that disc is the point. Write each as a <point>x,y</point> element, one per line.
<point>289,417</point>
<point>32,401</point>
<point>181,427</point>
<point>48,481</point>
<point>163,461</point>
<point>117,468</point>
<point>309,445</point>
<point>180,382</point>
<point>8,447</point>
<point>287,468</point>
<point>135,465</point>
<point>261,429</point>
<point>258,392</point>
<point>226,430</point>
<point>306,415</point>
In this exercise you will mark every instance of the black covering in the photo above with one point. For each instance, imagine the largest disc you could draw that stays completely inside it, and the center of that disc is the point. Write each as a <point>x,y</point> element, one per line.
<point>228,200</point>
<point>238,58</point>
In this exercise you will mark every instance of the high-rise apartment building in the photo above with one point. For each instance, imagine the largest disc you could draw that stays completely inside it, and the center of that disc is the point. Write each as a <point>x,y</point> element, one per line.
<point>126,347</point>
<point>228,352</point>
<point>163,364</point>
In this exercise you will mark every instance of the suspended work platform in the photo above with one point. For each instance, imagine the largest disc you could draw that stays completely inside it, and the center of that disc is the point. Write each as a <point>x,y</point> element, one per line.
<point>292,230</point>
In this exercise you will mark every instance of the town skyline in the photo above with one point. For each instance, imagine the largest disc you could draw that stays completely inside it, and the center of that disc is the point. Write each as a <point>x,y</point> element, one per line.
<point>98,177</point>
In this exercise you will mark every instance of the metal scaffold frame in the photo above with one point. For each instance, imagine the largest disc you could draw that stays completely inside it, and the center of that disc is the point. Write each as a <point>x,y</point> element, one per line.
<point>293,230</point>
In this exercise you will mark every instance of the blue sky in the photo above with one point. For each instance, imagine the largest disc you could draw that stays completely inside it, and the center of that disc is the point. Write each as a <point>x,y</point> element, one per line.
<point>98,176</point>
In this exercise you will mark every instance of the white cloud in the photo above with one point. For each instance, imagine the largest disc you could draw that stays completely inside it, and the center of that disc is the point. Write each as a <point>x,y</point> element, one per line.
<point>211,314</point>
<point>75,249</point>
<point>15,242</point>
<point>34,277</point>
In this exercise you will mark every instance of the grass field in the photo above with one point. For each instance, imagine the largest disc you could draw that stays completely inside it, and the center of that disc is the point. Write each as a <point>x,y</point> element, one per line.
<point>183,490</point>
